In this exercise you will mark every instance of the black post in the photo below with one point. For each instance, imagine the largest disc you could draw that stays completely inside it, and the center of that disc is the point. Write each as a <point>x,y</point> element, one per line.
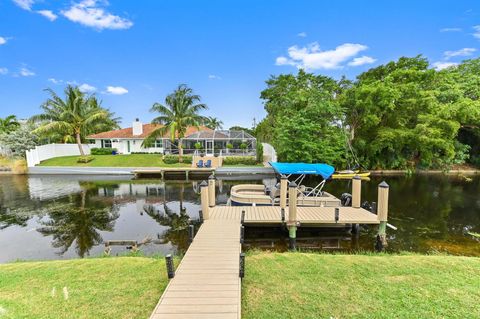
<point>242,220</point>
<point>191,232</point>
<point>378,244</point>
<point>337,214</point>
<point>200,216</point>
<point>242,234</point>
<point>282,211</point>
<point>170,268</point>
<point>242,265</point>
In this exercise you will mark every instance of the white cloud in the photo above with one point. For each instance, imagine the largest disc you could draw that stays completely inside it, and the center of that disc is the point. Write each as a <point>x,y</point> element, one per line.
<point>24,4</point>
<point>311,57</point>
<point>48,14</point>
<point>362,60</point>
<point>89,14</point>
<point>55,81</point>
<point>87,88</point>
<point>24,71</point>
<point>214,77</point>
<point>116,90</point>
<point>3,40</point>
<point>302,34</point>
<point>461,52</point>
<point>443,65</point>
<point>450,30</point>
<point>477,31</point>
<point>3,71</point>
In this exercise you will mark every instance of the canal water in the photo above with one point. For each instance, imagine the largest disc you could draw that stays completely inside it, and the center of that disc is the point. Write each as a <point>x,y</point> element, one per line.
<point>58,217</point>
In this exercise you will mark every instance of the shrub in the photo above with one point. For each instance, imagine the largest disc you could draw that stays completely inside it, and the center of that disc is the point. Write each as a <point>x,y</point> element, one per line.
<point>243,146</point>
<point>229,146</point>
<point>259,152</point>
<point>198,145</point>
<point>173,159</point>
<point>239,160</point>
<point>85,159</point>
<point>102,151</point>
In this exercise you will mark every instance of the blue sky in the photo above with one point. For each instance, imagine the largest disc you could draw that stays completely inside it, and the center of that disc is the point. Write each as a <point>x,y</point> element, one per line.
<point>132,53</point>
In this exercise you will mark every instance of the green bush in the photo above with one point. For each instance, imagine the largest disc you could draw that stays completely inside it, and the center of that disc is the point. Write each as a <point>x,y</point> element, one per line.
<point>198,145</point>
<point>85,159</point>
<point>243,146</point>
<point>173,159</point>
<point>239,160</point>
<point>259,152</point>
<point>229,146</point>
<point>102,151</point>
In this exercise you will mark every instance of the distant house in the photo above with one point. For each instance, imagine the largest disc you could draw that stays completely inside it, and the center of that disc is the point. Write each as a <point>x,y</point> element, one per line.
<point>129,140</point>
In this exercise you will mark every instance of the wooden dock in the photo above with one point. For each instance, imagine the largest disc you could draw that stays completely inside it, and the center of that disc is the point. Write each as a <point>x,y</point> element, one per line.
<point>174,171</point>
<point>207,282</point>
<point>305,215</point>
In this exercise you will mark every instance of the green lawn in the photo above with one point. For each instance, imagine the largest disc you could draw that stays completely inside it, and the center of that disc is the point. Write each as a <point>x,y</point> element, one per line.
<point>131,160</point>
<point>300,285</point>
<point>276,285</point>
<point>120,287</point>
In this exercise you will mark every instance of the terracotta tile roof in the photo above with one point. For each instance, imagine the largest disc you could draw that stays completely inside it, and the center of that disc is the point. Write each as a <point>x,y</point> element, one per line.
<point>147,129</point>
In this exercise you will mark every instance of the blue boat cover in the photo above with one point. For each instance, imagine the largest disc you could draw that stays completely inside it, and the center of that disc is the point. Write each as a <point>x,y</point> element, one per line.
<point>323,170</point>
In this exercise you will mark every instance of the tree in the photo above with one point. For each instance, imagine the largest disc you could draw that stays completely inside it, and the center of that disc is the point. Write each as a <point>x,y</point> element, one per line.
<point>19,140</point>
<point>213,123</point>
<point>76,116</point>
<point>303,117</point>
<point>9,124</point>
<point>179,111</point>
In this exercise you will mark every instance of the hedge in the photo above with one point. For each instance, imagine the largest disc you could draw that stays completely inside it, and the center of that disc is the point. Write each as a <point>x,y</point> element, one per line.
<point>239,160</point>
<point>173,159</point>
<point>102,151</point>
<point>259,152</point>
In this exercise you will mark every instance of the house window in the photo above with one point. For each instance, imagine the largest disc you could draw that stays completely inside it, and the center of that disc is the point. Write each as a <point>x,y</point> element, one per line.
<point>158,143</point>
<point>107,143</point>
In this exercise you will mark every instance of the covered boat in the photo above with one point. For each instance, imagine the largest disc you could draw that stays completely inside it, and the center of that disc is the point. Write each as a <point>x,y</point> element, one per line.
<point>254,194</point>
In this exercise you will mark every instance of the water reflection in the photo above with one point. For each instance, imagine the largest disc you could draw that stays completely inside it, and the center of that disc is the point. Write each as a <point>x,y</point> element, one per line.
<point>48,217</point>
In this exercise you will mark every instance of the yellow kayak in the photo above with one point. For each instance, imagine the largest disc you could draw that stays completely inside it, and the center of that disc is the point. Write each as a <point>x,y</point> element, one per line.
<point>350,174</point>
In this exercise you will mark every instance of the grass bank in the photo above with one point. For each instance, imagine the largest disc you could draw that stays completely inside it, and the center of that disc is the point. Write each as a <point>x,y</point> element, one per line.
<point>277,285</point>
<point>121,287</point>
<point>130,160</point>
<point>300,285</point>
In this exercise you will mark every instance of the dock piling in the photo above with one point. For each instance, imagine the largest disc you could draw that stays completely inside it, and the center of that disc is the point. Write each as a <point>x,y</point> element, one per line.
<point>211,191</point>
<point>292,215</point>
<point>242,217</point>
<point>242,265</point>
<point>200,216</point>
<point>191,233</point>
<point>356,191</point>
<point>283,191</point>
<point>170,268</point>
<point>204,200</point>
<point>382,215</point>
<point>337,214</point>
<point>242,234</point>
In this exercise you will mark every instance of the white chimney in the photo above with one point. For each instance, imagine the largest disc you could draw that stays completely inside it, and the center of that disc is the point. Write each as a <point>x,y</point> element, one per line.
<point>137,128</point>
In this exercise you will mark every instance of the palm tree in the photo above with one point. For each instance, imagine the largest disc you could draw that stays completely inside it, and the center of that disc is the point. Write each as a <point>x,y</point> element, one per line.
<point>179,111</point>
<point>8,124</point>
<point>74,117</point>
<point>213,123</point>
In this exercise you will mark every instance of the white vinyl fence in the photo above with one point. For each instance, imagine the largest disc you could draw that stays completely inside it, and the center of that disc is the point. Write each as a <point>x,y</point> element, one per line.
<point>44,152</point>
<point>269,153</point>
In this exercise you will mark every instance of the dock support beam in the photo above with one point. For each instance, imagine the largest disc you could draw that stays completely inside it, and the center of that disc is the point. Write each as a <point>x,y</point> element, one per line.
<point>283,191</point>
<point>356,191</point>
<point>170,268</point>
<point>211,191</point>
<point>292,216</point>
<point>382,215</point>
<point>204,200</point>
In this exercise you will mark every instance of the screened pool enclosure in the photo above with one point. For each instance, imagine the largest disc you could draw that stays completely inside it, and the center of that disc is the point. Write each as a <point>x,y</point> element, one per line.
<point>221,142</point>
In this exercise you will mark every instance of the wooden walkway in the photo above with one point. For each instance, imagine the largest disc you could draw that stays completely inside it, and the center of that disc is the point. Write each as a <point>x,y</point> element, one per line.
<point>305,215</point>
<point>207,282</point>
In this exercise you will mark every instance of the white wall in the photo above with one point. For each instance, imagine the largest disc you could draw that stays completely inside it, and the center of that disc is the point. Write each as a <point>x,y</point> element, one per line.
<point>44,152</point>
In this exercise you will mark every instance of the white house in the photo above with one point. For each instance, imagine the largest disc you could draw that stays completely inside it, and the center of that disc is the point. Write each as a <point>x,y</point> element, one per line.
<point>129,140</point>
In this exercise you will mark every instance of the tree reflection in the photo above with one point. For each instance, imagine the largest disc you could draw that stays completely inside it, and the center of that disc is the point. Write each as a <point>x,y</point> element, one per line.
<point>79,220</point>
<point>10,217</point>
<point>177,224</point>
